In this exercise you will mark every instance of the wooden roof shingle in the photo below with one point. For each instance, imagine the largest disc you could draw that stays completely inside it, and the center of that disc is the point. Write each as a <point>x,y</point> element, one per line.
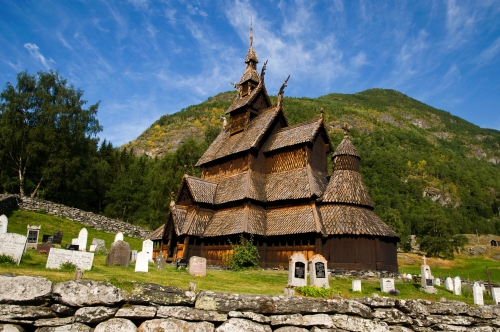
<point>231,188</point>
<point>346,148</point>
<point>347,186</point>
<point>202,191</point>
<point>200,222</point>
<point>291,184</point>
<point>226,222</point>
<point>290,220</point>
<point>157,234</point>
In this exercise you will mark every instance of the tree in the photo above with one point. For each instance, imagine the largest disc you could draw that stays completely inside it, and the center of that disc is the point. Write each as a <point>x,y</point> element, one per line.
<point>46,135</point>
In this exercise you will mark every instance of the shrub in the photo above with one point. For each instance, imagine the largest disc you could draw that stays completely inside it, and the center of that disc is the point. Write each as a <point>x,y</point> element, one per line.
<point>6,259</point>
<point>317,291</point>
<point>244,256</point>
<point>68,267</point>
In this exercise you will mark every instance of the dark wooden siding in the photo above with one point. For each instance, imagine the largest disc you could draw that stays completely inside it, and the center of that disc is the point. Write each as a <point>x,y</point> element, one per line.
<point>318,155</point>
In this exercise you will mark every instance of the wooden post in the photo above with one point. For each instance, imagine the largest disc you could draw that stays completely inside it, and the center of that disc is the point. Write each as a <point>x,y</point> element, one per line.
<point>186,246</point>
<point>264,251</point>
<point>489,281</point>
<point>317,244</point>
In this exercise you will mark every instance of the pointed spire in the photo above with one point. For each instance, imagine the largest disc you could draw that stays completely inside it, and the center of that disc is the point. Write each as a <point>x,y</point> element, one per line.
<point>251,33</point>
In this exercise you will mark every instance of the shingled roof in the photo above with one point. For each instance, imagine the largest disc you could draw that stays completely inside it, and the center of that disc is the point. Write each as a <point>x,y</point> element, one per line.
<point>346,148</point>
<point>157,234</point>
<point>241,101</point>
<point>202,191</point>
<point>347,186</point>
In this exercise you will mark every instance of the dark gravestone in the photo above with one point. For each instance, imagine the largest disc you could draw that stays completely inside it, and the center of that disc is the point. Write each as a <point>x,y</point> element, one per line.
<point>44,248</point>
<point>46,238</point>
<point>119,254</point>
<point>32,236</point>
<point>180,262</point>
<point>320,270</point>
<point>300,269</point>
<point>72,247</point>
<point>57,238</point>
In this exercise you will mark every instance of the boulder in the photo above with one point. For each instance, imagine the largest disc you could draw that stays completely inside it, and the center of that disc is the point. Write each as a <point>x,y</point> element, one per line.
<point>351,323</point>
<point>250,315</point>
<point>87,293</point>
<point>190,314</point>
<point>174,325</point>
<point>13,312</point>
<point>75,327</point>
<point>147,293</point>
<point>11,328</point>
<point>413,308</point>
<point>116,325</point>
<point>25,290</point>
<point>62,310</point>
<point>136,312</point>
<point>392,316</point>
<point>291,329</point>
<point>272,304</point>
<point>92,315</point>
<point>54,321</point>
<point>242,325</point>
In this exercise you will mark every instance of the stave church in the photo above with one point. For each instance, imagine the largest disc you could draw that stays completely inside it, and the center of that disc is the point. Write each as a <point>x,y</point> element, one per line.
<point>266,178</point>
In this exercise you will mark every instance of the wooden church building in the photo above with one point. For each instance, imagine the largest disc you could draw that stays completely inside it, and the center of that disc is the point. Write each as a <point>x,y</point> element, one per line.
<point>262,176</point>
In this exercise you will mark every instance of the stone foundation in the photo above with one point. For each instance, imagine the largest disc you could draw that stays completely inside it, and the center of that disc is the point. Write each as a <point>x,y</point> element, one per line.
<point>35,304</point>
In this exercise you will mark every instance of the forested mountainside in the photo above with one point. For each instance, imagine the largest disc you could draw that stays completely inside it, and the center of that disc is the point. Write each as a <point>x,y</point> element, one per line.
<point>426,170</point>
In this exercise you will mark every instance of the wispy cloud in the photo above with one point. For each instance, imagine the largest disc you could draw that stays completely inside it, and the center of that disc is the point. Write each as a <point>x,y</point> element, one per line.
<point>35,53</point>
<point>489,54</point>
<point>359,60</point>
<point>63,41</point>
<point>16,66</point>
<point>460,23</point>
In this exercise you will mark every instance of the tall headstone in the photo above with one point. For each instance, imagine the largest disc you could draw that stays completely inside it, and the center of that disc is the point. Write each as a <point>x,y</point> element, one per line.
<point>427,282</point>
<point>318,271</point>
<point>119,237</point>
<point>82,239</point>
<point>147,246</point>
<point>448,284</point>
<point>297,270</point>
<point>198,266</point>
<point>142,262</point>
<point>33,232</point>
<point>356,285</point>
<point>495,294</point>
<point>119,254</point>
<point>57,238</point>
<point>160,261</point>
<point>386,285</point>
<point>12,245</point>
<point>4,222</point>
<point>457,286</point>
<point>477,293</point>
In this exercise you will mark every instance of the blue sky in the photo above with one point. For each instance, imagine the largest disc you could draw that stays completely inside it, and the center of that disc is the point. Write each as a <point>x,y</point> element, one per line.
<point>143,58</point>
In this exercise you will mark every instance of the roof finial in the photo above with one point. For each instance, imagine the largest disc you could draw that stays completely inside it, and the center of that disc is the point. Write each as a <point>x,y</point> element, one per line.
<point>281,92</point>
<point>185,169</point>
<point>322,112</point>
<point>251,33</point>
<point>346,128</point>
<point>263,72</point>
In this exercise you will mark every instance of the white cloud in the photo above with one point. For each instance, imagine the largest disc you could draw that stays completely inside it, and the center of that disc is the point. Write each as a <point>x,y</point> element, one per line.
<point>17,67</point>
<point>142,4</point>
<point>63,41</point>
<point>359,60</point>
<point>35,53</point>
<point>195,10</point>
<point>460,22</point>
<point>489,54</point>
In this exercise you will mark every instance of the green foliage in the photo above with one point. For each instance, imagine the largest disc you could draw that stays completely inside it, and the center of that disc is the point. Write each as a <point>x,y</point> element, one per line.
<point>6,259</point>
<point>311,291</point>
<point>67,267</point>
<point>245,255</point>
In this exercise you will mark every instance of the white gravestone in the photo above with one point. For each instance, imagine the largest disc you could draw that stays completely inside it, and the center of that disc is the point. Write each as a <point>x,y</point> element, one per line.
<point>147,246</point>
<point>12,245</point>
<point>33,232</point>
<point>437,282</point>
<point>356,285</point>
<point>82,260</point>
<point>425,272</point>
<point>318,271</point>
<point>495,293</point>
<point>409,277</point>
<point>457,286</point>
<point>4,221</point>
<point>198,266</point>
<point>133,255</point>
<point>74,241</point>
<point>386,285</point>
<point>477,293</point>
<point>92,247</point>
<point>297,270</point>
<point>118,237</point>
<point>142,262</point>
<point>82,239</point>
<point>448,284</point>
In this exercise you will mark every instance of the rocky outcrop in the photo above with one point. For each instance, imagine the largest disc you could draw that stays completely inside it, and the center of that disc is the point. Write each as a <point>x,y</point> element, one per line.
<point>25,290</point>
<point>97,306</point>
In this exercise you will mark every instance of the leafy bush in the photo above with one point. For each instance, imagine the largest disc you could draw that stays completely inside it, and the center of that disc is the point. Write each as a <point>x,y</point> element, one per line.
<point>244,256</point>
<point>6,259</point>
<point>68,267</point>
<point>317,291</point>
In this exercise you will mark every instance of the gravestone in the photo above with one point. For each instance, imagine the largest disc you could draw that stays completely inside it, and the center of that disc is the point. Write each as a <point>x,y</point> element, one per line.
<point>181,262</point>
<point>495,294</point>
<point>100,246</point>
<point>297,270</point>
<point>92,248</point>
<point>12,245</point>
<point>142,263</point>
<point>356,285</point>
<point>427,281</point>
<point>133,255</point>
<point>386,285</point>
<point>57,238</point>
<point>75,242</point>
<point>44,248</point>
<point>198,266</point>
<point>119,254</point>
<point>147,246</point>
<point>119,237</point>
<point>437,282</point>
<point>82,260</point>
<point>457,286</point>
<point>47,238</point>
<point>409,277</point>
<point>72,247</point>
<point>82,239</point>
<point>318,271</point>
<point>160,261</point>
<point>33,232</point>
<point>477,293</point>
<point>4,222</point>
<point>448,284</point>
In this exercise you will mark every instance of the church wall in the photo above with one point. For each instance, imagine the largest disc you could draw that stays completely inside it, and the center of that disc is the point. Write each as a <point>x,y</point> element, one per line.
<point>238,121</point>
<point>286,160</point>
<point>259,160</point>
<point>229,167</point>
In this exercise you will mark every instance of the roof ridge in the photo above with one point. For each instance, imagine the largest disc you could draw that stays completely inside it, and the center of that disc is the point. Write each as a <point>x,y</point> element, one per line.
<point>298,125</point>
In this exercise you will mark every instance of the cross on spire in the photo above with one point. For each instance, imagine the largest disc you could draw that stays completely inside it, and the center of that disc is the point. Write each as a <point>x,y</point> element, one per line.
<point>345,126</point>
<point>251,33</point>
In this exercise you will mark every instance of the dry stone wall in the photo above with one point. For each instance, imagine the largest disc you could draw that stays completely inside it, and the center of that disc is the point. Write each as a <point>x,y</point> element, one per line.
<point>35,304</point>
<point>89,219</point>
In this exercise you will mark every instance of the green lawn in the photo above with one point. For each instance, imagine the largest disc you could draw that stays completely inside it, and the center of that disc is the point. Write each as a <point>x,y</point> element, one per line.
<point>249,282</point>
